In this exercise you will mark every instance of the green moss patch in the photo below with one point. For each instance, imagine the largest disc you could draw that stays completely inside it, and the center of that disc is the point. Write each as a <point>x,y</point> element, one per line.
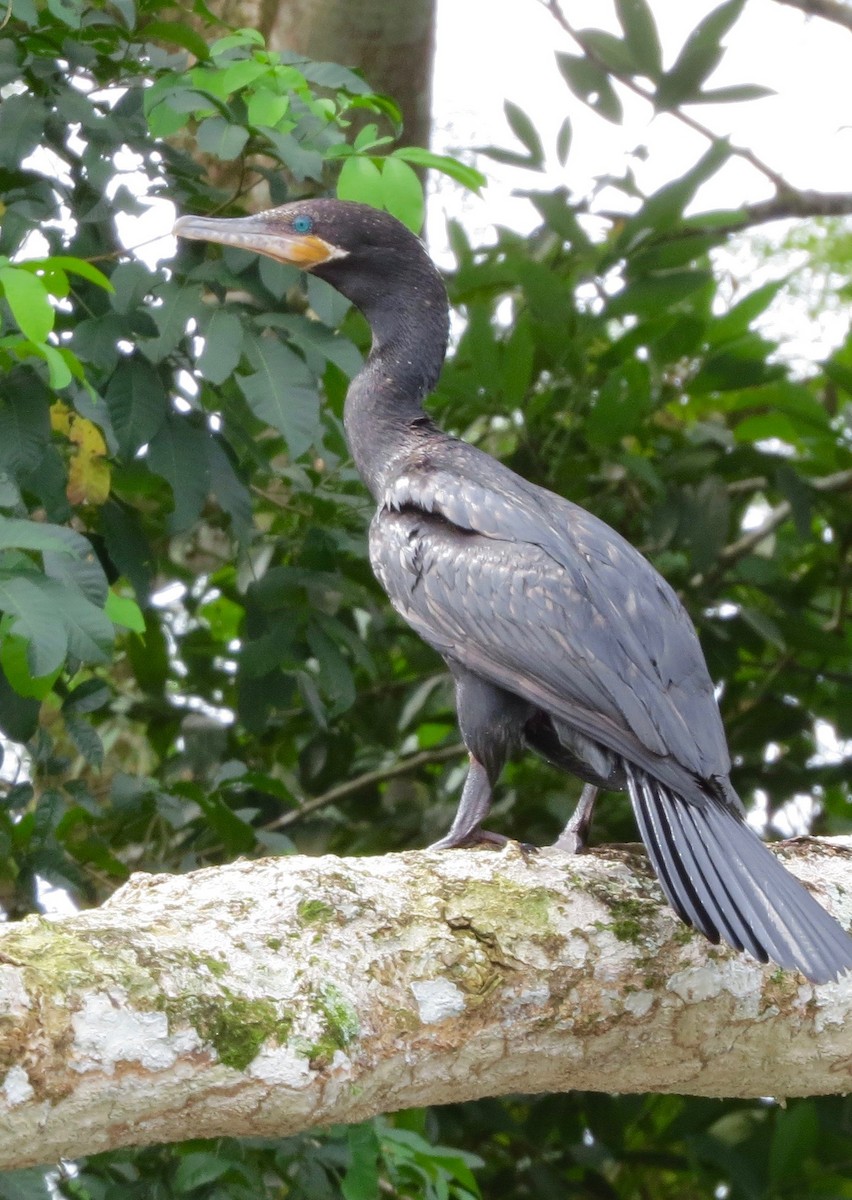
<point>234,1026</point>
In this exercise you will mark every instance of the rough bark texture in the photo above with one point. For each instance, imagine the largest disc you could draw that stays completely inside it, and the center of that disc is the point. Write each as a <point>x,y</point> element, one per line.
<point>393,44</point>
<point>268,997</point>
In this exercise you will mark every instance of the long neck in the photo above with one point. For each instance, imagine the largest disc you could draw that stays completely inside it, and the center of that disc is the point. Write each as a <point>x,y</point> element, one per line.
<point>408,315</point>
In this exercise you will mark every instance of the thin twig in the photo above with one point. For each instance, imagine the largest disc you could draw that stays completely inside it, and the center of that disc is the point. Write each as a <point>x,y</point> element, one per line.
<point>779,182</point>
<point>380,775</point>
<point>829,10</point>
<point>838,482</point>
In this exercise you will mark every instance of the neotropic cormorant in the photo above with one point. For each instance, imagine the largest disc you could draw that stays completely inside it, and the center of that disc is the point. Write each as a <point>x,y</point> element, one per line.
<point>559,635</point>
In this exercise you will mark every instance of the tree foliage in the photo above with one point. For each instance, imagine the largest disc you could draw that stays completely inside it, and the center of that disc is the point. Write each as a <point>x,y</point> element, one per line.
<point>194,655</point>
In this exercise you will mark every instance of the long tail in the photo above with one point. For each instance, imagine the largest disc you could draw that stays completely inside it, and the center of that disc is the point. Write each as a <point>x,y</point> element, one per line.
<point>720,878</point>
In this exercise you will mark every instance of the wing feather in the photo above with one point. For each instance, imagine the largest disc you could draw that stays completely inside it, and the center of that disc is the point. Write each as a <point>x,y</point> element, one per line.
<point>539,597</point>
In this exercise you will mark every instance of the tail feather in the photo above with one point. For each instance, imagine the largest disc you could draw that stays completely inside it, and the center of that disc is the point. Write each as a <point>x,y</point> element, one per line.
<point>720,878</point>
<point>720,892</point>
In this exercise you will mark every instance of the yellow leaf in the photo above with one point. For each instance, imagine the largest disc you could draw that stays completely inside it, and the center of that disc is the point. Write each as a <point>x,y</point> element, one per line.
<point>87,436</point>
<point>60,418</point>
<point>88,479</point>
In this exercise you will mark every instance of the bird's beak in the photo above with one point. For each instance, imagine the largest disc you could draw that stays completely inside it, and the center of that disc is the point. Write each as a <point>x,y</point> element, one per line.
<point>263,235</point>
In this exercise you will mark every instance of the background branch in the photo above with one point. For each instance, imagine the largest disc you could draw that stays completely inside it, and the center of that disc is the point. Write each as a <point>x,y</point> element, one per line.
<point>778,181</point>
<point>829,10</point>
<point>840,481</point>
<point>404,766</point>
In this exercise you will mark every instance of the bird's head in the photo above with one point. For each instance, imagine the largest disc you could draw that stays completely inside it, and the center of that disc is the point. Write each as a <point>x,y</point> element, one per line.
<point>372,259</point>
<point>338,240</point>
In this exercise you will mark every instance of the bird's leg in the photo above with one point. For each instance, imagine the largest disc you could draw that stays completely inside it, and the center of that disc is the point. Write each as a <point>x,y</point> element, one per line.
<point>574,836</point>
<point>491,721</point>
<point>473,807</point>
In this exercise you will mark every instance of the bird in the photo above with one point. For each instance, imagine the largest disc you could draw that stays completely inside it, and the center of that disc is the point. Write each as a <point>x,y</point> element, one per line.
<point>560,637</point>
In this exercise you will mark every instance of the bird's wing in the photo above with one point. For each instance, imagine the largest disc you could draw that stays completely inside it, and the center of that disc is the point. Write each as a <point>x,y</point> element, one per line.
<point>539,597</point>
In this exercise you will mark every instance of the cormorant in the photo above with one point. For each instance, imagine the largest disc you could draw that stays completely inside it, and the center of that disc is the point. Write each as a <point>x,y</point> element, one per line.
<point>559,635</point>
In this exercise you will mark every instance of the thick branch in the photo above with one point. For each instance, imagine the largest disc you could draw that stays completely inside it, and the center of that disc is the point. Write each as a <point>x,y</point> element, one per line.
<point>268,997</point>
<point>791,205</point>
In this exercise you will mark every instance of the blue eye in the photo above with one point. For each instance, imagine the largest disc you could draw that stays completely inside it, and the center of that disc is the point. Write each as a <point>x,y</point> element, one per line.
<point>303,223</point>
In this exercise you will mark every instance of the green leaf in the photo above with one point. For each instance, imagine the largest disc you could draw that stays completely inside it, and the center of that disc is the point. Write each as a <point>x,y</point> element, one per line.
<point>795,1139</point>
<point>223,346</point>
<point>611,52</point>
<point>402,193</point>
<point>591,85</point>
<point>563,141</point>
<point>241,74</point>
<point>59,370</point>
<point>525,132</point>
<point>222,139</point>
<point>739,317</point>
<point>87,697</point>
<point>14,661</point>
<point>361,1181</point>
<point>736,93</point>
<point>640,33</point>
<point>79,266</point>
<point>178,452</point>
<point>22,121</point>
<point>84,573</point>
<point>282,394</point>
<point>86,741</point>
<point>175,33</point>
<point>242,39</point>
<point>302,160</point>
<point>701,54</point>
<point>318,343</point>
<point>33,535</point>
<point>229,491</point>
<point>127,546</point>
<point>123,611</point>
<point>648,296</point>
<point>763,625</point>
<point>33,609</point>
<point>237,834</point>
<point>266,107</point>
<point>621,406</point>
<point>24,425</point>
<point>199,1168</point>
<point>665,207</point>
<point>179,305</point>
<point>467,176</point>
<point>31,1184</point>
<point>334,672</point>
<point>67,11</point>
<point>361,180</point>
<point>19,722</point>
<point>137,403</point>
<point>27,297</point>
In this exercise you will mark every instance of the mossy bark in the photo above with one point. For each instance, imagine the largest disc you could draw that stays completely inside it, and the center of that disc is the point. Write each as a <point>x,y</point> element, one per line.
<point>267,997</point>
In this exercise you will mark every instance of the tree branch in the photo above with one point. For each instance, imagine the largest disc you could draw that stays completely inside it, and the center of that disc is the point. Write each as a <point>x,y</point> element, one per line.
<point>791,205</point>
<point>776,179</point>
<point>829,10</point>
<point>840,481</point>
<point>264,998</point>
<point>403,766</point>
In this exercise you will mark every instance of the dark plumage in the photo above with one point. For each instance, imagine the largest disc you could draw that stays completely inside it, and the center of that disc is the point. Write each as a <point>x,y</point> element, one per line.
<point>560,636</point>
